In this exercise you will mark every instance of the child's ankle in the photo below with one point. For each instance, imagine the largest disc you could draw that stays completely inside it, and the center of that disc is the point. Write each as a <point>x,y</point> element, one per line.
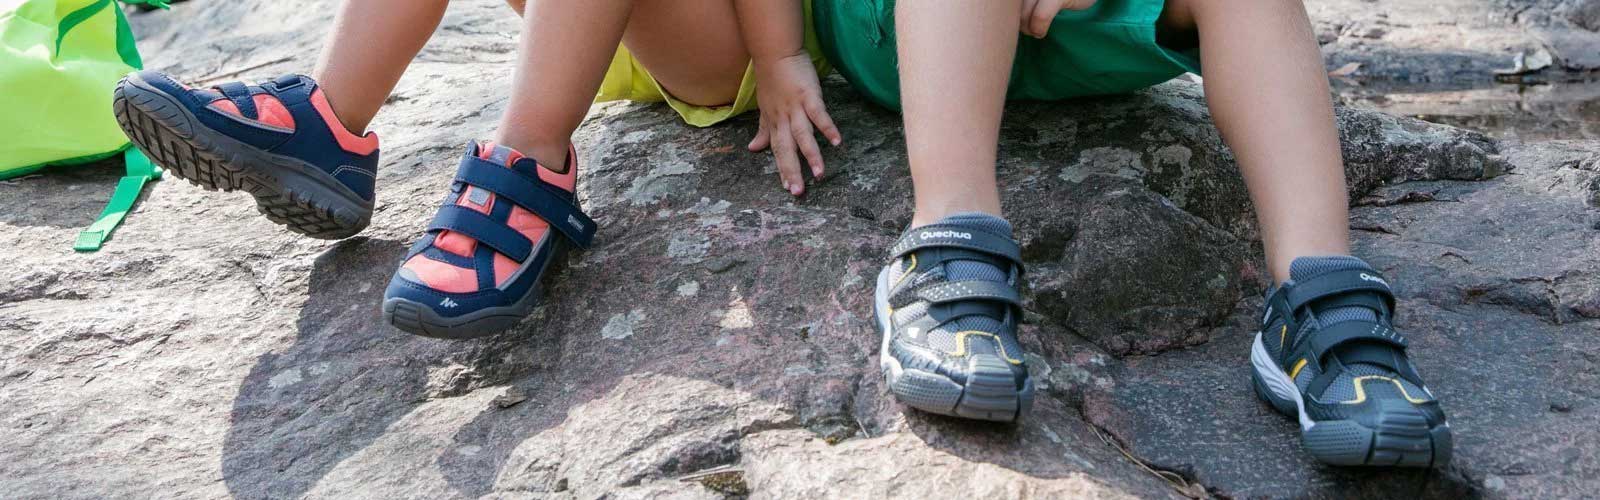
<point>551,156</point>
<point>926,217</point>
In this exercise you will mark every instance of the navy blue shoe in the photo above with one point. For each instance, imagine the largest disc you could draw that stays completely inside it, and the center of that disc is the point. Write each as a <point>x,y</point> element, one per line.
<point>478,268</point>
<point>947,307</point>
<point>278,141</point>
<point>1329,356</point>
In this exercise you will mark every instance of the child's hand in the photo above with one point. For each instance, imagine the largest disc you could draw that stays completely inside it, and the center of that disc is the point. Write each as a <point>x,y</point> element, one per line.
<point>791,102</point>
<point>1037,14</point>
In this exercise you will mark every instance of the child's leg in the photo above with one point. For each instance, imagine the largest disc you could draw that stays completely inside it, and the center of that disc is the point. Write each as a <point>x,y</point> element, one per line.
<point>1268,93</point>
<point>371,44</point>
<point>692,47</point>
<point>951,282</point>
<point>955,60</point>
<point>476,272</point>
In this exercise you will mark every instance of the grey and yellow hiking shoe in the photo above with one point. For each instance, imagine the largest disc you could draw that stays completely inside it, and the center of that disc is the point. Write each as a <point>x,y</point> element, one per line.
<point>948,307</point>
<point>1327,353</point>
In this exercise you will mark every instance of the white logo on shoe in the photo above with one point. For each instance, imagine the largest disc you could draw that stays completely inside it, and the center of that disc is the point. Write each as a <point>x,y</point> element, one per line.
<point>574,222</point>
<point>946,234</point>
<point>1368,277</point>
<point>447,303</point>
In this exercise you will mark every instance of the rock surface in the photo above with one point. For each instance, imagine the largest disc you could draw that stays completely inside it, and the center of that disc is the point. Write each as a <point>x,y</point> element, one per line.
<point>718,340</point>
<point>1455,41</point>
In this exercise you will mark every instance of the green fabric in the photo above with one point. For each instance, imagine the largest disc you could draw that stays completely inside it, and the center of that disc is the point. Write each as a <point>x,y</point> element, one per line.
<point>1107,49</point>
<point>140,171</point>
<point>59,61</point>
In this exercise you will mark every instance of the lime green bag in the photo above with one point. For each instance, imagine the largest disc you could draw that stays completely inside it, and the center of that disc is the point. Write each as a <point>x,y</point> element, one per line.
<point>59,61</point>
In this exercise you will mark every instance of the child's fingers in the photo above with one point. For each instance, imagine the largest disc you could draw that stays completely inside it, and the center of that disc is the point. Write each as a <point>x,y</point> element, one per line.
<point>1043,14</point>
<point>761,140</point>
<point>807,140</point>
<point>788,166</point>
<point>819,115</point>
<point>1024,23</point>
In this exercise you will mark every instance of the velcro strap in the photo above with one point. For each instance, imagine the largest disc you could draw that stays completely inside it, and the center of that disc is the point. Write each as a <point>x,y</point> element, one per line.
<point>1337,283</point>
<point>955,291</point>
<point>240,95</point>
<point>286,82</point>
<point>1323,341</point>
<point>535,196</point>
<point>950,235</point>
<point>496,235</point>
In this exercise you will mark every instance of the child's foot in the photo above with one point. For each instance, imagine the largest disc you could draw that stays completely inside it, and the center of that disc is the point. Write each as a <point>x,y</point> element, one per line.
<point>1327,353</point>
<point>948,307</point>
<point>476,271</point>
<point>279,141</point>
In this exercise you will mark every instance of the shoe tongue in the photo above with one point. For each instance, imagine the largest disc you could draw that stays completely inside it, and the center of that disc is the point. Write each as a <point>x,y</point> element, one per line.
<point>1306,268</point>
<point>964,270</point>
<point>499,155</point>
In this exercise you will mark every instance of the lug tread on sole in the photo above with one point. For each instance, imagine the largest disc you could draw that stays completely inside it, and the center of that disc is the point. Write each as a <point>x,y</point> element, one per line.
<point>164,134</point>
<point>989,394</point>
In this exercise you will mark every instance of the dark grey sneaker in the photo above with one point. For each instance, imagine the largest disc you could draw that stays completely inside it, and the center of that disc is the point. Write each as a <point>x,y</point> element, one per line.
<point>947,306</point>
<point>1328,355</point>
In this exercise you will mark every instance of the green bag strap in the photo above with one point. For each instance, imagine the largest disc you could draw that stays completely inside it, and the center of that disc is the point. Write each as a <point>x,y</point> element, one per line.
<point>139,171</point>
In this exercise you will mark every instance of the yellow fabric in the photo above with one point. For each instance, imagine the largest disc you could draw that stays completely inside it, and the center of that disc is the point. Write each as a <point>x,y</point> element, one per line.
<point>626,79</point>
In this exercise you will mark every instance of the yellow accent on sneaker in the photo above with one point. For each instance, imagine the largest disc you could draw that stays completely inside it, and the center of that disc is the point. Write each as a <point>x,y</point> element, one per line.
<point>1361,392</point>
<point>961,345</point>
<point>1297,367</point>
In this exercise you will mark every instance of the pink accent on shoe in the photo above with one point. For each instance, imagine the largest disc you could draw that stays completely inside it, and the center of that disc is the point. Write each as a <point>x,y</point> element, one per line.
<point>461,244</point>
<point>443,276</point>
<point>361,145</point>
<point>503,268</point>
<point>568,180</point>
<point>226,106</point>
<point>269,110</point>
<point>521,220</point>
<point>531,227</point>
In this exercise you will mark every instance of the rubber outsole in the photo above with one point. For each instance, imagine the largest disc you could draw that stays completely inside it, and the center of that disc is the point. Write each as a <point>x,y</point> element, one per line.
<point>1401,438</point>
<point>419,319</point>
<point>287,191</point>
<point>990,392</point>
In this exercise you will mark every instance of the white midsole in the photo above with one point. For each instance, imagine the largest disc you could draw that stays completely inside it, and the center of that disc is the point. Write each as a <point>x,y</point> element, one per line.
<point>1277,381</point>
<point>880,306</point>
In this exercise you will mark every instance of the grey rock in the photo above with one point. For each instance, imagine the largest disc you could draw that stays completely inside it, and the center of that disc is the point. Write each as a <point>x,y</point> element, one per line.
<point>1585,14</point>
<point>207,353</point>
<point>1454,42</point>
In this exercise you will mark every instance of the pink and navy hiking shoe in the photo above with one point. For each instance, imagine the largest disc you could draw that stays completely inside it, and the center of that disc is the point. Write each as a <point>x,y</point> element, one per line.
<point>278,141</point>
<point>477,270</point>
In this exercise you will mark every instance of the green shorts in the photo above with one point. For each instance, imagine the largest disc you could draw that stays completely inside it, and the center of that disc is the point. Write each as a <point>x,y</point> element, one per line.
<point>1108,49</point>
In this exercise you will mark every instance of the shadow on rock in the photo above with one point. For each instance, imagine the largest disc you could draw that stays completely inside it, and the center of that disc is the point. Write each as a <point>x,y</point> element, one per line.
<point>346,378</point>
<point>62,197</point>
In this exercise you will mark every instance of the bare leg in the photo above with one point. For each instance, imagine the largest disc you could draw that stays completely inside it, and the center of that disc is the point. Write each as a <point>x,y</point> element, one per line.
<point>1268,93</point>
<point>567,46</point>
<point>372,43</point>
<point>955,60</point>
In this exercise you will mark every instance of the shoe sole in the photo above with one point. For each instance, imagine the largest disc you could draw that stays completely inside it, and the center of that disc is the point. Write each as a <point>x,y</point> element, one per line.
<point>1402,437</point>
<point>419,319</point>
<point>990,393</point>
<point>287,191</point>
